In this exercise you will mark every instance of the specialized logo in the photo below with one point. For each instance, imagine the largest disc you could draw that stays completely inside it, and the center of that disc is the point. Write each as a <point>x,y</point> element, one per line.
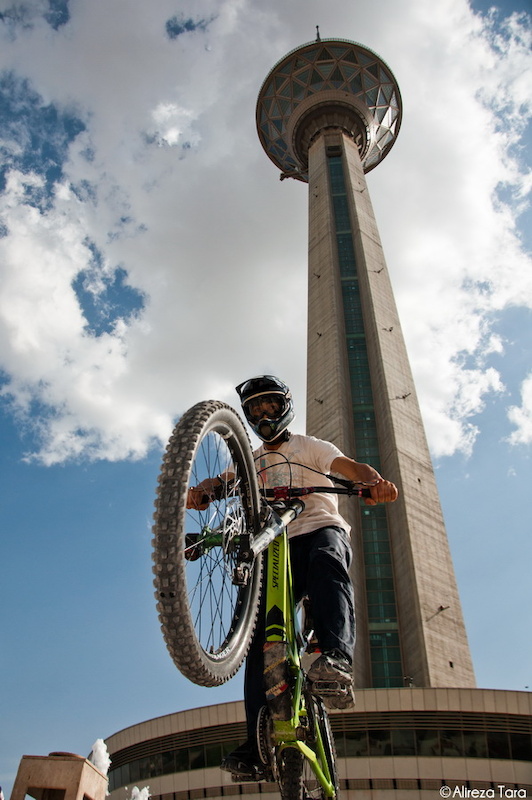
<point>275,564</point>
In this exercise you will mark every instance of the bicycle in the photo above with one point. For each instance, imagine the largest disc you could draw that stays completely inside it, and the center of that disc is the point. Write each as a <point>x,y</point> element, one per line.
<point>208,578</point>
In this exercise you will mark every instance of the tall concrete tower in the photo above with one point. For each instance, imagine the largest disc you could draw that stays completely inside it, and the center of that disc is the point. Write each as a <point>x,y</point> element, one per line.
<point>328,113</point>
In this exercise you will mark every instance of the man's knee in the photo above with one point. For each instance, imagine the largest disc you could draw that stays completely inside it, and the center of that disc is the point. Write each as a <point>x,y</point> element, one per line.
<point>332,544</point>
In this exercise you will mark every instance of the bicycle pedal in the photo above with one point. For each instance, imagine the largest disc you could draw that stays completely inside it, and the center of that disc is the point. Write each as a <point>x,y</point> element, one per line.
<point>330,688</point>
<point>243,778</point>
<point>259,775</point>
<point>335,695</point>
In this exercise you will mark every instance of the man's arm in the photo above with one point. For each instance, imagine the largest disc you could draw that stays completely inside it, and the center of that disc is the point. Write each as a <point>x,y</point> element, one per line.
<point>382,491</point>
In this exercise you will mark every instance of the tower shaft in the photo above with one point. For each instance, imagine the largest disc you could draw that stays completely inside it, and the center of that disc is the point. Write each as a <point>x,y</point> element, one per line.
<point>361,396</point>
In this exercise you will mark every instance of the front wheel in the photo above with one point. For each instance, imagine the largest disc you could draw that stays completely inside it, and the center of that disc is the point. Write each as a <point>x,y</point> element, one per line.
<point>206,618</point>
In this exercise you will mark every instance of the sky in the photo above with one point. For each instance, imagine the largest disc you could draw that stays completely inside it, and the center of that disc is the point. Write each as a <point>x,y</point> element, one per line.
<point>151,258</point>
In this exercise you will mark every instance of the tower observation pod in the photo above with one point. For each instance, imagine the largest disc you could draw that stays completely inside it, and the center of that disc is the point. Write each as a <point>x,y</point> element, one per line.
<point>328,113</point>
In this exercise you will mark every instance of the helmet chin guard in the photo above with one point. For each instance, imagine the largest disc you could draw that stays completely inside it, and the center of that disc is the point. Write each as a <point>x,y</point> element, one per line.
<point>267,428</point>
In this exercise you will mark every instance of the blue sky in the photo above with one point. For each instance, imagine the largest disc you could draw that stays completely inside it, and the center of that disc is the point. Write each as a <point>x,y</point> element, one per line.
<point>136,209</point>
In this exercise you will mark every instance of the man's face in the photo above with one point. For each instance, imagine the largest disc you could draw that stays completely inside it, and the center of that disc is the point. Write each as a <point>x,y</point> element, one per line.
<point>267,406</point>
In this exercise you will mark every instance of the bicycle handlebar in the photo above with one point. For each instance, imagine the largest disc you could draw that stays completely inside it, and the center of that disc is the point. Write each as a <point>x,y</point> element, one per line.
<point>288,493</point>
<point>284,493</point>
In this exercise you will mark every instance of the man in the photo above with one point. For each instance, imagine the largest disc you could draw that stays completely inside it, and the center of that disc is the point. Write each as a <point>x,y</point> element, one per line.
<point>319,546</point>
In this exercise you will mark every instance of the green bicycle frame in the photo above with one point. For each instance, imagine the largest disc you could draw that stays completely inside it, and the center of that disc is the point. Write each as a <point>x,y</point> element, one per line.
<point>282,665</point>
<point>283,676</point>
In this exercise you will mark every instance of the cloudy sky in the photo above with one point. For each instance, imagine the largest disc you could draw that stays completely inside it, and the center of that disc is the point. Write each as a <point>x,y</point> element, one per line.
<point>151,258</point>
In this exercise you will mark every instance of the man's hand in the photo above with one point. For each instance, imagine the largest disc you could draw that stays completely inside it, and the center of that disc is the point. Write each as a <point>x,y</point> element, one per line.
<point>382,492</point>
<point>201,496</point>
<point>198,498</point>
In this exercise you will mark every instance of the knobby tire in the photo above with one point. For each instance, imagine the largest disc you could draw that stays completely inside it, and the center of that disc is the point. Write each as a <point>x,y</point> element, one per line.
<point>296,778</point>
<point>207,621</point>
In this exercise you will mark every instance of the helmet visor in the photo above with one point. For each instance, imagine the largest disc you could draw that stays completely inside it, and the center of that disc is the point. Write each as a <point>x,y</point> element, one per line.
<point>269,406</point>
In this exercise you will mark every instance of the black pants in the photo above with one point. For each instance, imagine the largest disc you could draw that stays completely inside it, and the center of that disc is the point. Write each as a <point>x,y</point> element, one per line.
<point>320,569</point>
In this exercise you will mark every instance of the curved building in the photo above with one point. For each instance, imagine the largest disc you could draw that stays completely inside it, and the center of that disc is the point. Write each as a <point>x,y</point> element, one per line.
<point>398,743</point>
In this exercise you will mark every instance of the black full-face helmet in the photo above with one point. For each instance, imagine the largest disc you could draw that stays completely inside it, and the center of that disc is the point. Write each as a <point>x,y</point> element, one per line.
<point>267,405</point>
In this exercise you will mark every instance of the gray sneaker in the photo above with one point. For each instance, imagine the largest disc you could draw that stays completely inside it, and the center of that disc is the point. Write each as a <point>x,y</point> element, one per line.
<point>331,678</point>
<point>331,666</point>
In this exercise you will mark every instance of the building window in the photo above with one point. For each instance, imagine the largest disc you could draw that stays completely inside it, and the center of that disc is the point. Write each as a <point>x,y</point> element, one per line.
<point>386,666</point>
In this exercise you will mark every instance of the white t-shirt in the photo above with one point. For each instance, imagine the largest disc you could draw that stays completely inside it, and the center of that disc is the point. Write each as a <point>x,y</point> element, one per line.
<point>289,466</point>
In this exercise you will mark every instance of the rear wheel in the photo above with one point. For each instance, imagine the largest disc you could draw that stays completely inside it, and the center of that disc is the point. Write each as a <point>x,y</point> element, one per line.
<point>207,620</point>
<point>297,780</point>
<point>292,778</point>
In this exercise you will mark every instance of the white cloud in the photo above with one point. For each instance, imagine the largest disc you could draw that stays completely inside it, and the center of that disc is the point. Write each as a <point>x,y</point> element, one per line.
<point>100,756</point>
<point>521,416</point>
<point>183,198</point>
<point>80,381</point>
<point>140,794</point>
<point>174,125</point>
